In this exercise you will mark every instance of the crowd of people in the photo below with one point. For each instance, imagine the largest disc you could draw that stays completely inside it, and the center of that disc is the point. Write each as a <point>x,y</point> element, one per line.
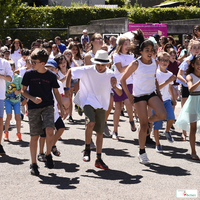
<point>95,75</point>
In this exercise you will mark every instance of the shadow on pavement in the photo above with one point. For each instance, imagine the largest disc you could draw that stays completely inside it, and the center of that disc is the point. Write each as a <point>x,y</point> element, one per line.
<point>116,152</point>
<point>73,142</point>
<point>166,170</point>
<point>68,167</point>
<point>20,143</point>
<point>134,141</point>
<point>123,177</point>
<point>12,160</point>
<point>60,182</point>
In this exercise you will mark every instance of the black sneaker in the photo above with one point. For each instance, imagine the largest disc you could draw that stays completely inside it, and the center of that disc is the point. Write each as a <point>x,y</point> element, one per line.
<point>172,128</point>
<point>2,152</point>
<point>76,107</point>
<point>49,162</point>
<point>100,164</point>
<point>122,113</point>
<point>149,141</point>
<point>71,119</point>
<point>86,156</point>
<point>80,111</point>
<point>34,169</point>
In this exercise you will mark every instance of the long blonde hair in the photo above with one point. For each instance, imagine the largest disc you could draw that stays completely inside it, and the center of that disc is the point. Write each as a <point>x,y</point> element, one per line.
<point>120,44</point>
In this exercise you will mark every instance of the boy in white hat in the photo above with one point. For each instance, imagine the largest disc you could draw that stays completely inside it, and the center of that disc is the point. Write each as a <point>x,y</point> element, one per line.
<point>95,84</point>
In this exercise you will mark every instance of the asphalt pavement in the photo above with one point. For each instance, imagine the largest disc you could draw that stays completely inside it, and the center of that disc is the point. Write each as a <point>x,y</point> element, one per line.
<point>74,179</point>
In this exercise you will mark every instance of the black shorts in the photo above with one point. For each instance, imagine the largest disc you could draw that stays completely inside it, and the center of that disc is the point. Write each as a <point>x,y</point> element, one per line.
<point>58,124</point>
<point>144,97</point>
<point>185,92</point>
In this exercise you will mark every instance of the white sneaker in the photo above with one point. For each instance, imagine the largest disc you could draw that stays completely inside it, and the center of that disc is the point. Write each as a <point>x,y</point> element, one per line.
<point>115,136</point>
<point>143,159</point>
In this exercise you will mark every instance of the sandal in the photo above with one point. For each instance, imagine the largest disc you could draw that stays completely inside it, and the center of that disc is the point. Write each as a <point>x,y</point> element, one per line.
<point>194,157</point>
<point>183,139</point>
<point>41,157</point>
<point>55,152</point>
<point>132,126</point>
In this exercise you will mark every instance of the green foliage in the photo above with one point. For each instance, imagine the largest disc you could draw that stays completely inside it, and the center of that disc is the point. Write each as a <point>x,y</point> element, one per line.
<point>153,15</point>
<point>79,4</point>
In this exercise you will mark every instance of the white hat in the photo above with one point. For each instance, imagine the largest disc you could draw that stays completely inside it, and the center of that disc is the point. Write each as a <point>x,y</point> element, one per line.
<point>101,57</point>
<point>84,31</point>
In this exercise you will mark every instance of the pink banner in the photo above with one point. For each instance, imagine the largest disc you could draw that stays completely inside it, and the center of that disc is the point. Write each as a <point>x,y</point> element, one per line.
<point>150,29</point>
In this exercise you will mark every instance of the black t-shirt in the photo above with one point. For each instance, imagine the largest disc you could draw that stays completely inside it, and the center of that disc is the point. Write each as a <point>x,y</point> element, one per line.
<point>40,85</point>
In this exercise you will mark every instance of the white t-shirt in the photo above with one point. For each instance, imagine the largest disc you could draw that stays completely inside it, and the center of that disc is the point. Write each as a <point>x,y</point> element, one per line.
<point>124,59</point>
<point>5,69</point>
<point>79,62</point>
<point>56,111</point>
<point>15,57</point>
<point>161,78</point>
<point>61,76</point>
<point>22,71</point>
<point>20,63</point>
<point>51,56</point>
<point>94,86</point>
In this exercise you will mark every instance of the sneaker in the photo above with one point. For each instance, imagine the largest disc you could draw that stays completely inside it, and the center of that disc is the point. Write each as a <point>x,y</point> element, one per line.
<point>2,152</point>
<point>172,128</point>
<point>150,141</point>
<point>34,169</point>
<point>49,162</point>
<point>71,119</point>
<point>100,164</point>
<point>159,148</point>
<point>41,157</point>
<point>76,107</point>
<point>92,145</point>
<point>86,156</point>
<point>169,137</point>
<point>122,113</point>
<point>106,130</point>
<point>19,136</point>
<point>115,136</point>
<point>143,159</point>
<point>5,136</point>
<point>21,116</point>
<point>80,111</point>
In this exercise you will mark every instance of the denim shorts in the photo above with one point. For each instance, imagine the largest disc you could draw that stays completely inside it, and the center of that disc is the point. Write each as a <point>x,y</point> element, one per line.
<point>170,114</point>
<point>10,105</point>
<point>1,108</point>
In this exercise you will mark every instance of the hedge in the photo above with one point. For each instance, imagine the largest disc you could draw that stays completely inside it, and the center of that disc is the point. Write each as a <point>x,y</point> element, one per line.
<point>152,15</point>
<point>63,17</point>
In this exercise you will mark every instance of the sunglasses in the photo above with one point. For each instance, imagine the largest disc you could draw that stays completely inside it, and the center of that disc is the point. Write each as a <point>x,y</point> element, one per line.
<point>196,29</point>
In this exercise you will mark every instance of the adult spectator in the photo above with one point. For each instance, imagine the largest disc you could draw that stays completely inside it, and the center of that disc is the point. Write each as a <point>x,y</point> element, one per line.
<point>184,53</point>
<point>167,47</point>
<point>172,41</point>
<point>61,46</point>
<point>15,53</point>
<point>55,52</point>
<point>113,45</point>
<point>8,41</point>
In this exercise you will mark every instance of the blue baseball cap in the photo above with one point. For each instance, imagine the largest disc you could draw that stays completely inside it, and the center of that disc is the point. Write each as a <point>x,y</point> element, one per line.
<point>51,63</point>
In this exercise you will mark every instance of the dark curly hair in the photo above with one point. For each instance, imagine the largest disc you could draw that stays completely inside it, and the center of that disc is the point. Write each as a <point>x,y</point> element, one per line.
<point>190,68</point>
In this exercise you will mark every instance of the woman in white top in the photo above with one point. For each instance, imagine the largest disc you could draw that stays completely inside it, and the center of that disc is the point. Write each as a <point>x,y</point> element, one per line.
<point>15,51</point>
<point>55,52</point>
<point>96,42</point>
<point>143,71</point>
<point>122,58</point>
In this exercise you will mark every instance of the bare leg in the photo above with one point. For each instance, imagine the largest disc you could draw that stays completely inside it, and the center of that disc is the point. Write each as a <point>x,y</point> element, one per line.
<point>1,128</point>
<point>57,135</point>
<point>88,132</point>
<point>49,139</point>
<point>184,133</point>
<point>33,148</point>
<point>18,123</point>
<point>169,124</point>
<point>156,136</point>
<point>7,122</point>
<point>193,128</point>
<point>41,144</point>
<point>110,107</point>
<point>99,142</point>
<point>118,106</point>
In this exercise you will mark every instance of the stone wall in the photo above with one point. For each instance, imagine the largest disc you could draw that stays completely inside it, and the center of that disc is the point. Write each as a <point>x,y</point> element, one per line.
<point>68,2</point>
